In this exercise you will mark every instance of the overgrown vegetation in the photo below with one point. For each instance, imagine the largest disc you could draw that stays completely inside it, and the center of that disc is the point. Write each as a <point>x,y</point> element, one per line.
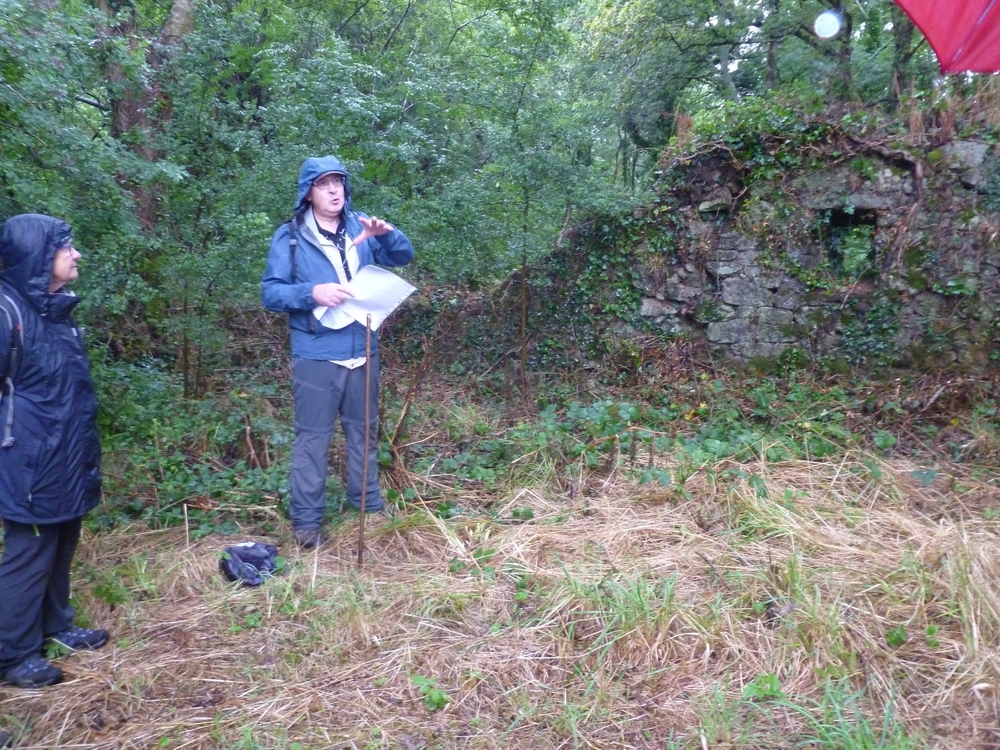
<point>213,464</point>
<point>731,560</point>
<point>606,537</point>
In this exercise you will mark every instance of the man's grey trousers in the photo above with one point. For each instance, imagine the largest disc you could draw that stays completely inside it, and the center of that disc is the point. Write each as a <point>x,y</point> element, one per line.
<point>323,391</point>
<point>34,586</point>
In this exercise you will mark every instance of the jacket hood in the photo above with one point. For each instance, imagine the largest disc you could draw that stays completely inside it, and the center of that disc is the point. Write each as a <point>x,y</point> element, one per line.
<point>315,166</point>
<point>28,245</point>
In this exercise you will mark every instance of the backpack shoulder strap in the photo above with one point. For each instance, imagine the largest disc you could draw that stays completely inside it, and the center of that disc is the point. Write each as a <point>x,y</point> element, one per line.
<point>293,242</point>
<point>15,324</point>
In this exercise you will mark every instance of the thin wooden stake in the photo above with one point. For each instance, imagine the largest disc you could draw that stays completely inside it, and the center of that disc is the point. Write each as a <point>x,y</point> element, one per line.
<point>364,463</point>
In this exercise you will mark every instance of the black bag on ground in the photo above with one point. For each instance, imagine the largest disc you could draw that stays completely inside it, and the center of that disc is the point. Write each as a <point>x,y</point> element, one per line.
<point>249,562</point>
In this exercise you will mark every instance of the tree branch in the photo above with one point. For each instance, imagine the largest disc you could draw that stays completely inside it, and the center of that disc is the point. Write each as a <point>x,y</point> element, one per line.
<point>409,6</point>
<point>343,25</point>
<point>462,26</point>
<point>93,103</point>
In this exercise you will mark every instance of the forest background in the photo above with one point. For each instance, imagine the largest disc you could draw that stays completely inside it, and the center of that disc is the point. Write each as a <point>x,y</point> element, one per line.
<point>169,134</point>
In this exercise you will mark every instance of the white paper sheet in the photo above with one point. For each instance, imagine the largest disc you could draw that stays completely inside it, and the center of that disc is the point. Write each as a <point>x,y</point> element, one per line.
<point>377,292</point>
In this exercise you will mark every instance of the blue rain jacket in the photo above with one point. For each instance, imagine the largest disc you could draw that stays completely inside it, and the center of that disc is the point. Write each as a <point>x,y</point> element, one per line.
<point>281,292</point>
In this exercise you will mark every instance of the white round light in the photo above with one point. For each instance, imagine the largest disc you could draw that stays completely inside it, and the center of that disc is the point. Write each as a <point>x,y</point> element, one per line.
<point>827,24</point>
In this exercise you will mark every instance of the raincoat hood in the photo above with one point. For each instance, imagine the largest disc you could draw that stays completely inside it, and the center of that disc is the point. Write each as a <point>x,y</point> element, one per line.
<point>316,166</point>
<point>28,245</point>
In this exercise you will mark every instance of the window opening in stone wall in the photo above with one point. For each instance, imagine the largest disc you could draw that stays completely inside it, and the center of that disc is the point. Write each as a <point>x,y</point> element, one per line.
<point>848,238</point>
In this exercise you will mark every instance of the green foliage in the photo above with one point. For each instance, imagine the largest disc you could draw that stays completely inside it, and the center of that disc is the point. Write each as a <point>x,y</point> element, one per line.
<point>498,136</point>
<point>522,514</point>
<point>869,336</point>
<point>955,287</point>
<point>884,440</point>
<point>792,360</point>
<point>764,687</point>
<point>595,285</point>
<point>896,637</point>
<point>930,635</point>
<point>480,563</point>
<point>55,650</point>
<point>434,697</point>
<point>169,461</point>
<point>838,722</point>
<point>854,250</point>
<point>445,118</point>
<point>764,418</point>
<point>765,133</point>
<point>484,131</point>
<point>991,189</point>
<point>54,157</point>
<point>657,64</point>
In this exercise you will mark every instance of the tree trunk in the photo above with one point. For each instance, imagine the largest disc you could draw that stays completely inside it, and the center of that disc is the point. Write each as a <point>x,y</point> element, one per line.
<point>179,23</point>
<point>725,54</point>
<point>129,104</point>
<point>771,70</point>
<point>524,291</point>
<point>843,79</point>
<point>138,107</point>
<point>902,52</point>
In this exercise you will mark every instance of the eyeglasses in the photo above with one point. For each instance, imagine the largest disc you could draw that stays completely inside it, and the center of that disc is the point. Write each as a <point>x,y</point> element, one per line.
<point>328,181</point>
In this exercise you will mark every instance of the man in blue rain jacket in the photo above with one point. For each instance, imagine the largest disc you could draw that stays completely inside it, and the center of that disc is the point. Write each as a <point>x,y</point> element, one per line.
<point>311,263</point>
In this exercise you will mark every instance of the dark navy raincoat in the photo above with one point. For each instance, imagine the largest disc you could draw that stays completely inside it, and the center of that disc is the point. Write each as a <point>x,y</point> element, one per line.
<point>52,471</point>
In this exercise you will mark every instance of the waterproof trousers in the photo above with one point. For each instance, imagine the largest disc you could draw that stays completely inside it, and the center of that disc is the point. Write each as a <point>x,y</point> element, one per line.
<point>34,586</point>
<point>323,392</point>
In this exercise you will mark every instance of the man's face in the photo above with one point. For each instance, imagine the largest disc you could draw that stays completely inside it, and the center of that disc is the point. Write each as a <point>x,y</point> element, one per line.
<point>64,268</point>
<point>327,194</point>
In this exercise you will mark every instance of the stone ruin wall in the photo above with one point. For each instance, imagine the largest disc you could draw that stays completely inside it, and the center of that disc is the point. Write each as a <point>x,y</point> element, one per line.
<point>936,256</point>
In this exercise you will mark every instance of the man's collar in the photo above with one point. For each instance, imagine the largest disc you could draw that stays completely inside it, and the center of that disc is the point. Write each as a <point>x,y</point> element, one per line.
<point>309,227</point>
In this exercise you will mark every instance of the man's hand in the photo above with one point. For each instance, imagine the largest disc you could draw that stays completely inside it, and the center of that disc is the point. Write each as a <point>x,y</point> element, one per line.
<point>331,295</point>
<point>373,227</point>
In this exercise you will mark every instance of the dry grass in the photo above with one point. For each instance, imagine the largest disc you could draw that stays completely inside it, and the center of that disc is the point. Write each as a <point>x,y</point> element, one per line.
<point>633,618</point>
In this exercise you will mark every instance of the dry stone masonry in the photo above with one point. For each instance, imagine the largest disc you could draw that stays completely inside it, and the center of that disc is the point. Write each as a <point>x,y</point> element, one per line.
<point>889,253</point>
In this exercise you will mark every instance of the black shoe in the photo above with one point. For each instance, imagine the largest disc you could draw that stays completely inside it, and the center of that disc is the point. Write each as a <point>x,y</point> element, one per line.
<point>77,639</point>
<point>6,739</point>
<point>33,672</point>
<point>309,538</point>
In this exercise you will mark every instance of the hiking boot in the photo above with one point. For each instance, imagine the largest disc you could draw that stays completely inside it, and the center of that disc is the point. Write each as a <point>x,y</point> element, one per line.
<point>33,672</point>
<point>309,538</point>
<point>6,739</point>
<point>78,639</point>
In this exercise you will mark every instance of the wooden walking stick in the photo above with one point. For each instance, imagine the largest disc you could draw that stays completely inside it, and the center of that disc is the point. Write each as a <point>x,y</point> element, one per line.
<point>364,463</point>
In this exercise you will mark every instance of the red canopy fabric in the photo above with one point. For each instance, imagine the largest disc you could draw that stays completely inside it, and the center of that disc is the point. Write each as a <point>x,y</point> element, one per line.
<point>965,34</point>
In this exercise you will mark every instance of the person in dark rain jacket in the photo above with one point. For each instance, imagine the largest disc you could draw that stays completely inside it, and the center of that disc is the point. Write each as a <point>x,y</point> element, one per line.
<point>310,264</point>
<point>50,454</point>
